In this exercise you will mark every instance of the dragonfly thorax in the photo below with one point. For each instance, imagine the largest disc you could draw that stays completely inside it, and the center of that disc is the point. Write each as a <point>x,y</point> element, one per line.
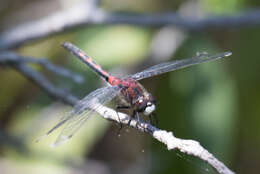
<point>135,94</point>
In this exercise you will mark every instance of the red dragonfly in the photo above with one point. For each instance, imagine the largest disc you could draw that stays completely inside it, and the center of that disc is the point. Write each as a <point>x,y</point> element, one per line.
<point>132,92</point>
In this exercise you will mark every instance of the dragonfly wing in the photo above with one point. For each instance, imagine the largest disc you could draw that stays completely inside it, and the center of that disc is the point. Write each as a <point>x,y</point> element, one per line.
<point>72,126</point>
<point>82,111</point>
<point>177,64</point>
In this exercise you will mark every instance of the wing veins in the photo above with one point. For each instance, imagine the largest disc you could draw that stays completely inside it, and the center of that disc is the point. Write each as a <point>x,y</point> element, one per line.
<point>177,64</point>
<point>82,111</point>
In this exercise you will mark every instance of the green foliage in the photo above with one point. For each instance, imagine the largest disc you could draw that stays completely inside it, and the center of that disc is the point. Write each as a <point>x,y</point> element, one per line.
<point>221,7</point>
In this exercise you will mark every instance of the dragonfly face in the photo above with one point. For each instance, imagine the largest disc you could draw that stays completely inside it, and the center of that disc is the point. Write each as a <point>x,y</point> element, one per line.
<point>146,106</point>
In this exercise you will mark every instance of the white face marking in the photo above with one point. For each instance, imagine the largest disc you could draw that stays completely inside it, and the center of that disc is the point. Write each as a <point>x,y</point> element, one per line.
<point>149,109</point>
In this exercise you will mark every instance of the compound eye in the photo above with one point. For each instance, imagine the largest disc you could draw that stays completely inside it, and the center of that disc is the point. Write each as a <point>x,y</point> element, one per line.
<point>141,106</point>
<point>149,109</point>
<point>140,101</point>
<point>149,104</point>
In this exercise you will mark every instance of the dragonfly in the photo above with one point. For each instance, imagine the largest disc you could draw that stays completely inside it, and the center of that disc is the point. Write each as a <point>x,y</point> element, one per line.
<point>134,95</point>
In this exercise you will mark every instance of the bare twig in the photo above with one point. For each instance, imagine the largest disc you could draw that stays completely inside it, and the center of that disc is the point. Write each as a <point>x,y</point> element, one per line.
<point>13,58</point>
<point>87,14</point>
<point>189,147</point>
<point>43,83</point>
<point>11,141</point>
<point>19,63</point>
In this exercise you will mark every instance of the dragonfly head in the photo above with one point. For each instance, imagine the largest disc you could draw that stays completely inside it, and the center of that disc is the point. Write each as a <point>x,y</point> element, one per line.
<point>146,106</point>
<point>150,107</point>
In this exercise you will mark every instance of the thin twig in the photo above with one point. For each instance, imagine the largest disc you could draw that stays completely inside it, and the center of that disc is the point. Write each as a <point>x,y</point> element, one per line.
<point>43,83</point>
<point>13,142</point>
<point>13,58</point>
<point>189,147</point>
<point>87,14</point>
<point>19,64</point>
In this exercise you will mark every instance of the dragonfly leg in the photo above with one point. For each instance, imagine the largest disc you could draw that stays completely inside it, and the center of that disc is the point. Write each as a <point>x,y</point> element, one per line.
<point>132,116</point>
<point>129,121</point>
<point>138,118</point>
<point>150,119</point>
<point>156,119</point>
<point>117,109</point>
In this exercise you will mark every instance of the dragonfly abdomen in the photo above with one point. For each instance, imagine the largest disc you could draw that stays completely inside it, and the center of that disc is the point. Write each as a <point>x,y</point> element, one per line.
<point>86,59</point>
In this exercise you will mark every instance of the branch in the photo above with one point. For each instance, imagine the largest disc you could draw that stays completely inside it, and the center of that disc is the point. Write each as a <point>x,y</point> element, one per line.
<point>87,14</point>
<point>189,147</point>
<point>13,58</point>
<point>19,64</point>
<point>13,142</point>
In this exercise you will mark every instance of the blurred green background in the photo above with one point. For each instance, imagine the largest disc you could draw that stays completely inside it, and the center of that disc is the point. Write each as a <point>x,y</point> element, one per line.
<point>217,103</point>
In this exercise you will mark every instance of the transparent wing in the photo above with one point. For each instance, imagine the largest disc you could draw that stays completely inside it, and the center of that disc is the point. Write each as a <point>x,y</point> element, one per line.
<point>82,111</point>
<point>73,125</point>
<point>177,64</point>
